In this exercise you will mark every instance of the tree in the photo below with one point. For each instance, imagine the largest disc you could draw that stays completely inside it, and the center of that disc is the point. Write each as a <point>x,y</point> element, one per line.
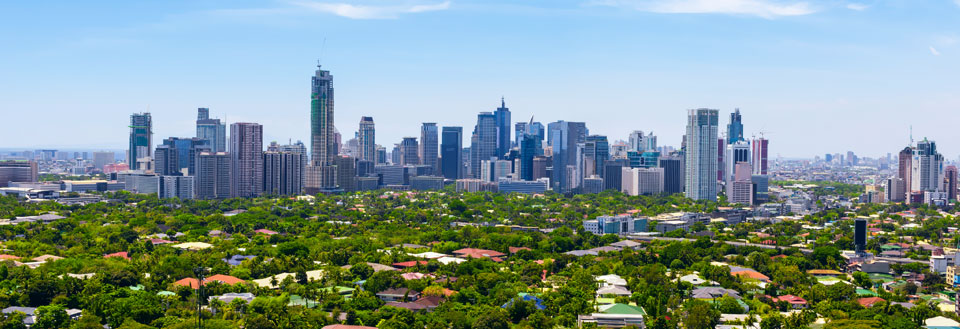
<point>51,317</point>
<point>729,305</point>
<point>862,279</point>
<point>700,315</point>
<point>361,271</point>
<point>259,322</point>
<point>495,319</point>
<point>772,321</point>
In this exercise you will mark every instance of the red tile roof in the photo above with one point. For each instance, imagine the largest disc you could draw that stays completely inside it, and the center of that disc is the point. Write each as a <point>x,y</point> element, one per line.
<point>411,263</point>
<point>792,299</point>
<point>265,231</point>
<point>194,283</point>
<point>869,301</point>
<point>122,254</point>
<point>751,274</point>
<point>8,257</point>
<point>514,250</point>
<point>477,253</point>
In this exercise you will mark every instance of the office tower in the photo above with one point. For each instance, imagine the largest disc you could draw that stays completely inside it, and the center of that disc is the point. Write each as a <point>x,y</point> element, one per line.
<point>101,159</point>
<point>735,128</point>
<point>904,171</point>
<point>395,155</point>
<point>641,181</point>
<point>592,185</point>
<point>140,183</point>
<point>528,151</point>
<point>734,154</point>
<point>540,164</point>
<point>408,151</point>
<point>324,143</point>
<point>636,141</point>
<point>429,144</point>
<point>701,154</point>
<point>760,156</point>
<point>246,154</point>
<point>860,235</point>
<point>367,140</point>
<point>212,130</point>
<point>18,171</point>
<point>673,174</point>
<point>283,172</point>
<point>346,173</point>
<point>649,159</point>
<point>740,188</point>
<point>494,170</point>
<point>895,189</point>
<point>596,151</point>
<point>351,147</point>
<point>721,150</point>
<point>926,167</point>
<point>483,142</point>
<point>177,156</point>
<point>451,149</point>
<point>519,129</point>
<point>613,175</point>
<point>502,118</point>
<point>381,155</point>
<point>213,175</point>
<point>650,142</point>
<point>181,187</point>
<point>141,139</point>
<point>950,182</point>
<point>566,137</point>
<point>761,188</point>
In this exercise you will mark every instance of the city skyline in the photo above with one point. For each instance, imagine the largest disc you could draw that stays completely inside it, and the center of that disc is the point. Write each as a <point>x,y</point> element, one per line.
<point>635,80</point>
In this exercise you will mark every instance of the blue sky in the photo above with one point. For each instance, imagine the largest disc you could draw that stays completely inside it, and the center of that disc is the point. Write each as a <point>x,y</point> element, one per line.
<point>815,76</point>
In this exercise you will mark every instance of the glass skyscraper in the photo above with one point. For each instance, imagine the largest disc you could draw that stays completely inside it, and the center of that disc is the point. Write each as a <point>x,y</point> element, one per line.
<point>212,130</point>
<point>702,154</point>
<point>429,142</point>
<point>735,128</point>
<point>451,152</point>
<point>367,140</point>
<point>483,142</point>
<point>141,138</point>
<point>502,116</point>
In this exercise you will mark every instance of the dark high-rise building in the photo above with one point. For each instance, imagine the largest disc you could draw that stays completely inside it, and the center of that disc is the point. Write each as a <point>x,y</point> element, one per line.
<point>346,173</point>
<point>178,154</point>
<point>702,154</point>
<point>904,171</point>
<point>483,142</point>
<point>735,128</point>
<point>141,139</point>
<point>429,144</point>
<point>596,152</point>
<point>613,174</point>
<point>17,171</point>
<point>322,146</point>
<point>366,139</point>
<point>246,154</point>
<point>213,175</point>
<point>212,130</point>
<point>502,118</point>
<point>381,155</point>
<point>672,174</point>
<point>950,182</point>
<point>540,165</point>
<point>528,151</point>
<point>451,149</point>
<point>283,172</point>
<point>860,235</point>
<point>408,151</point>
<point>566,136</point>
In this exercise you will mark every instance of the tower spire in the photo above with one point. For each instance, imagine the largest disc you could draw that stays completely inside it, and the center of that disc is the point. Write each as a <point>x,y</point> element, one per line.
<point>503,103</point>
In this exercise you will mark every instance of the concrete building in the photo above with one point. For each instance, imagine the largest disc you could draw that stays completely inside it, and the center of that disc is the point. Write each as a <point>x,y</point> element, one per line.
<point>619,224</point>
<point>213,175</point>
<point>642,181</point>
<point>592,185</point>
<point>212,130</point>
<point>673,174</point>
<point>475,185</point>
<point>760,156</point>
<point>502,121</point>
<point>538,186</point>
<point>141,140</point>
<point>429,145</point>
<point>283,173</point>
<point>367,140</point>
<point>408,151</point>
<point>101,159</point>
<point>483,142</point>
<point>423,183</point>
<point>140,183</point>
<point>181,187</point>
<point>740,188</point>
<point>246,157</point>
<point>18,171</point>
<point>451,152</point>
<point>701,154</point>
<point>324,144</point>
<point>346,173</point>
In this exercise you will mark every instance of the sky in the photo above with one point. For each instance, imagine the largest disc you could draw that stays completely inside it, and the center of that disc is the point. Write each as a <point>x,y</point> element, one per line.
<point>813,77</point>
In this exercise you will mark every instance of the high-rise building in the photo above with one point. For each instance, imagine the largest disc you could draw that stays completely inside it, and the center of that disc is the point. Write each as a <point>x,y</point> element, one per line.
<point>177,156</point>
<point>451,148</point>
<point>483,142</point>
<point>408,151</point>
<point>904,171</point>
<point>367,140</point>
<point>528,151</point>
<point>740,188</point>
<point>734,154</point>
<point>567,136</point>
<point>540,164</point>
<point>324,144</point>
<point>760,156</point>
<point>18,171</point>
<point>246,155</point>
<point>613,175</point>
<point>381,155</point>
<point>181,187</point>
<point>641,181</point>
<point>636,141</point>
<point>141,139</point>
<point>429,143</point>
<point>596,151</point>
<point>502,118</point>
<point>950,182</point>
<point>283,172</point>
<point>519,129</point>
<point>213,175</point>
<point>346,173</point>
<point>701,154</point>
<point>895,189</point>
<point>101,159</point>
<point>212,130</point>
<point>860,235</point>
<point>735,128</point>
<point>926,168</point>
<point>673,174</point>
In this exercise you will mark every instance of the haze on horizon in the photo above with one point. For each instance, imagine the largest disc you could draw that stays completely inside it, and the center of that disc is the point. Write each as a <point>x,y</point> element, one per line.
<point>816,77</point>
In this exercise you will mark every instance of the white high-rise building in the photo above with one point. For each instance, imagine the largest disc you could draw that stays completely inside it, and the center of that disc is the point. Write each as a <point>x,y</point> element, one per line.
<point>926,168</point>
<point>641,181</point>
<point>740,188</point>
<point>701,154</point>
<point>735,153</point>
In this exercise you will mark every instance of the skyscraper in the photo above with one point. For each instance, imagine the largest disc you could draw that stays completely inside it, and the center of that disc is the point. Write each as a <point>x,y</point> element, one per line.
<point>483,142</point>
<point>760,156</point>
<point>528,150</point>
<point>926,168</point>
<point>701,154</point>
<point>950,182</point>
<point>246,159</point>
<point>566,137</point>
<point>595,153</point>
<point>451,148</point>
<point>636,141</point>
<point>178,154</point>
<point>321,119</point>
<point>18,171</point>
<point>408,151</point>
<point>734,154</point>
<point>904,171</point>
<point>502,117</point>
<point>213,175</point>
<point>212,130</point>
<point>346,173</point>
<point>735,128</point>
<point>429,144</point>
<point>101,159</point>
<point>367,140</point>
<point>672,174</point>
<point>141,139</point>
<point>283,172</point>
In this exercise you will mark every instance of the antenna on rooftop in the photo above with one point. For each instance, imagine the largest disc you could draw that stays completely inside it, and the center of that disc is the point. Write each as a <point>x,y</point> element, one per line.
<point>322,47</point>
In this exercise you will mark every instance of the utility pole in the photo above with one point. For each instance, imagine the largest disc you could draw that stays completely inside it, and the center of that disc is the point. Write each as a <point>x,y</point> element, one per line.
<point>199,271</point>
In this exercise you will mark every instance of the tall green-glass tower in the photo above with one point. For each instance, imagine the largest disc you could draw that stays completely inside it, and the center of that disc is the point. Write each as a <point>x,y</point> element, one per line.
<point>322,149</point>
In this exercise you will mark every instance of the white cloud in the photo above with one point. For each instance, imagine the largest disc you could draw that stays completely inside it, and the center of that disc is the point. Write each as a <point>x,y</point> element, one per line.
<point>762,8</point>
<point>859,6</point>
<point>934,51</point>
<point>957,2</point>
<point>371,11</point>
